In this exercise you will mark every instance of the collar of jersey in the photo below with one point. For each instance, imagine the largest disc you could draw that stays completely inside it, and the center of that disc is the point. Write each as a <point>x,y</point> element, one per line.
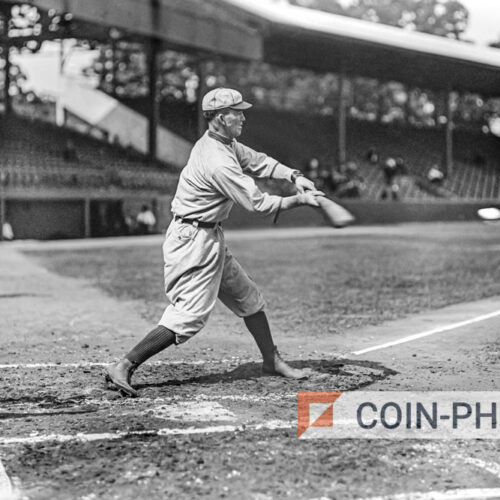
<point>220,138</point>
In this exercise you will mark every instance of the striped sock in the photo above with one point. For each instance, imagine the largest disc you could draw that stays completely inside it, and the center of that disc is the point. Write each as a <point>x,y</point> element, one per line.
<point>154,342</point>
<point>258,326</point>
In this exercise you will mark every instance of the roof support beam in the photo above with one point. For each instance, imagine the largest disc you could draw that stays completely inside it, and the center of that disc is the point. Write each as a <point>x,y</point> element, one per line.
<point>153,101</point>
<point>342,118</point>
<point>188,24</point>
<point>448,155</point>
<point>7,99</point>
<point>3,209</point>
<point>202,90</point>
<point>87,231</point>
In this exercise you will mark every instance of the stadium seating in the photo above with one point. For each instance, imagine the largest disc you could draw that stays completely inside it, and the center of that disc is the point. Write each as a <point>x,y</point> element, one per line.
<point>39,155</point>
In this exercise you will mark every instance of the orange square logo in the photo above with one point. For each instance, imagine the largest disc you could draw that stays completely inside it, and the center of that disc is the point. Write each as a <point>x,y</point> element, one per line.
<point>315,409</point>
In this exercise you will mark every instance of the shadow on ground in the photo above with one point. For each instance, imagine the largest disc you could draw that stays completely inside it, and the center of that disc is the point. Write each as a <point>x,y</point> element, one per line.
<point>353,373</point>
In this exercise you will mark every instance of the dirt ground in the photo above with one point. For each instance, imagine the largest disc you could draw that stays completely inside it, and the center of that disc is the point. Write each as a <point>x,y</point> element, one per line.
<point>207,423</point>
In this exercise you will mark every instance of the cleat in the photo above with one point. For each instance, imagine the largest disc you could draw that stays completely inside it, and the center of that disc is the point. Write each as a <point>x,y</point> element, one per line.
<point>282,369</point>
<point>119,376</point>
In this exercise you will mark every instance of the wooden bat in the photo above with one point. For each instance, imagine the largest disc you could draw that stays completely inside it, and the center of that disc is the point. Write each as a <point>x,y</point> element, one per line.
<point>334,214</point>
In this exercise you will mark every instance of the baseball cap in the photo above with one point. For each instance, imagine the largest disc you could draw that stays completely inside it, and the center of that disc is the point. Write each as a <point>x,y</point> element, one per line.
<point>223,98</point>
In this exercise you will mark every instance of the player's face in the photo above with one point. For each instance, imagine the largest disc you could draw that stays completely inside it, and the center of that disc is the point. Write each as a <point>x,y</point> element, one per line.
<point>233,123</point>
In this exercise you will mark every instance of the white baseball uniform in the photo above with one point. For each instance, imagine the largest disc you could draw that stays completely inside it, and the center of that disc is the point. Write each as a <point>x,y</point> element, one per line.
<point>198,265</point>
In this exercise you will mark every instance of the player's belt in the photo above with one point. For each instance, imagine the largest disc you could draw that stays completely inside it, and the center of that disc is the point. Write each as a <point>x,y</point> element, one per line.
<point>198,223</point>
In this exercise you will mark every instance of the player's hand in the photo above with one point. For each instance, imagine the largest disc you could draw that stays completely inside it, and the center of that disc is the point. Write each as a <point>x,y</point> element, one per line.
<point>304,184</point>
<point>309,198</point>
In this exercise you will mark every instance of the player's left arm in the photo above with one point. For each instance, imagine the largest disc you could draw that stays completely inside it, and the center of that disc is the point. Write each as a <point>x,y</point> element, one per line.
<point>261,165</point>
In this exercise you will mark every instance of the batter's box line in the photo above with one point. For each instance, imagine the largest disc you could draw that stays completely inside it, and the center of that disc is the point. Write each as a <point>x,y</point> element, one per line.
<point>141,403</point>
<point>456,494</point>
<point>163,432</point>
<point>199,398</point>
<point>90,364</point>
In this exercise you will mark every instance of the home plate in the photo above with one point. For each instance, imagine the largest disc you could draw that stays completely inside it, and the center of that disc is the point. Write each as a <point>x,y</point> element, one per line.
<point>194,411</point>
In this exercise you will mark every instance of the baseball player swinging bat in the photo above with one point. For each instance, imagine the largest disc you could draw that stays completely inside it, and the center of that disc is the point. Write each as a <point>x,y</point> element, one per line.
<point>199,268</point>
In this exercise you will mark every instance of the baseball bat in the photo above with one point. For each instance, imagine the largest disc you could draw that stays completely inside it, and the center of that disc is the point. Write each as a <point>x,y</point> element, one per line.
<point>334,214</point>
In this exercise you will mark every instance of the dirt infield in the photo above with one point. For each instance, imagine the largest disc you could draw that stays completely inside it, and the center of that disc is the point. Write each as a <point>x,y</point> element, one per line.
<point>207,423</point>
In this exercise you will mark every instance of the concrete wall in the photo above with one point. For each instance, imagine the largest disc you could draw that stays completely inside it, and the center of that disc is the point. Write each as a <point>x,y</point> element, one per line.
<point>53,219</point>
<point>46,219</point>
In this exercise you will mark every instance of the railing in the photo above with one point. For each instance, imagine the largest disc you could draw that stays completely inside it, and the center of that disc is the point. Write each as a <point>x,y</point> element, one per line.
<point>45,176</point>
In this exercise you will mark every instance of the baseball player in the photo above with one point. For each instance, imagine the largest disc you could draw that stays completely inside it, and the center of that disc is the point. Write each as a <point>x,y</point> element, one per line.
<point>199,268</point>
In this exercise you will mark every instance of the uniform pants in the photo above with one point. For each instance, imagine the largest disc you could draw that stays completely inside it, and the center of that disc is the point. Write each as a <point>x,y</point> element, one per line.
<point>199,268</point>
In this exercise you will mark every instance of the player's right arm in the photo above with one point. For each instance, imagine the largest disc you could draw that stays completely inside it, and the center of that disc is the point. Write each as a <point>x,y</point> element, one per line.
<point>230,180</point>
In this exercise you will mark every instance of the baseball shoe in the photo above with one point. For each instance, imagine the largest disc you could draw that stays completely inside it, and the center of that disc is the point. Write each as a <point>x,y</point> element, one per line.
<point>280,368</point>
<point>120,374</point>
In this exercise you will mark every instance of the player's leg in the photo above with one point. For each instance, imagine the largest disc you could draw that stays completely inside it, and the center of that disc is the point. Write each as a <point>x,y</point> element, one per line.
<point>273,363</point>
<point>240,294</point>
<point>154,342</point>
<point>193,269</point>
<point>258,326</point>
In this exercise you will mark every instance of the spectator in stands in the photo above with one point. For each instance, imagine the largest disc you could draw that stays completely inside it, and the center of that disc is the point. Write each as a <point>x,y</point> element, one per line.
<point>480,160</point>
<point>129,224</point>
<point>312,169</point>
<point>4,178</point>
<point>391,185</point>
<point>338,178</point>
<point>435,175</point>
<point>146,221</point>
<point>69,152</point>
<point>353,183</point>
<point>324,180</point>
<point>400,166</point>
<point>372,156</point>
<point>7,232</point>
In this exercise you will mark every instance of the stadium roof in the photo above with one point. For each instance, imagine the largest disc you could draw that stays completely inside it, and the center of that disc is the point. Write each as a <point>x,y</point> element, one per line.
<point>191,25</point>
<point>327,42</point>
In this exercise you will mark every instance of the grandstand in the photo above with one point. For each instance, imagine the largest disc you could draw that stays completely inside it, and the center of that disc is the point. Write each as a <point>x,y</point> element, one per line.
<point>36,167</point>
<point>475,176</point>
<point>58,183</point>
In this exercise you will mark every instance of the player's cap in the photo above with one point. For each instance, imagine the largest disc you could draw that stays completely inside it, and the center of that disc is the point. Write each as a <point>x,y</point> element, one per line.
<point>223,98</point>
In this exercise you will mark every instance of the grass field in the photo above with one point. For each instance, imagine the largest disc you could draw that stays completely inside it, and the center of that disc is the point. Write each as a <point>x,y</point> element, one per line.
<point>322,284</point>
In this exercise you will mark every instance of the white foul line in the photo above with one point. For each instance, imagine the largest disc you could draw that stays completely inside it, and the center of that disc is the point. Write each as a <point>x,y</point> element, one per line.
<point>466,494</point>
<point>168,431</point>
<point>7,491</point>
<point>416,336</point>
<point>491,467</point>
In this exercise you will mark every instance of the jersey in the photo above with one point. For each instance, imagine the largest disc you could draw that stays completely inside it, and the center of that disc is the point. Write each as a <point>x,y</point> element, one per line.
<point>221,172</point>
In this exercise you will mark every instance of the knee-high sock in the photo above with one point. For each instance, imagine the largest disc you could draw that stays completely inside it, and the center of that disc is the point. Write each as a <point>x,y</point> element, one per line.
<point>258,326</point>
<point>154,342</point>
